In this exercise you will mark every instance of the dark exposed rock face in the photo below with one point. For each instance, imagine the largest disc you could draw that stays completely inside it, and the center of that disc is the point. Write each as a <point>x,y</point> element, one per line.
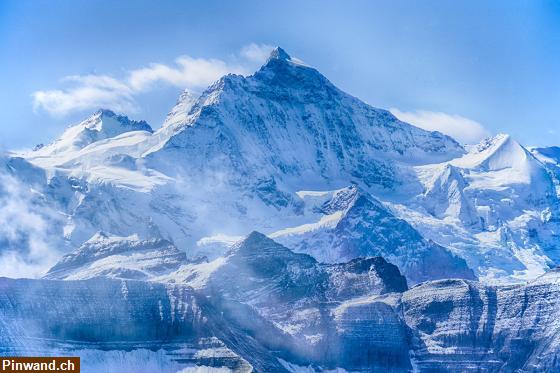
<point>293,301</point>
<point>103,314</point>
<point>259,266</point>
<point>463,326</point>
<point>446,325</point>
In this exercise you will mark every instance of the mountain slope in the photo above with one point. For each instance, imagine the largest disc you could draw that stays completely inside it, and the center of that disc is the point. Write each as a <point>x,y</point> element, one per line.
<point>287,301</point>
<point>289,121</point>
<point>284,300</point>
<point>118,257</point>
<point>234,160</point>
<point>231,160</point>
<point>496,207</point>
<point>353,224</point>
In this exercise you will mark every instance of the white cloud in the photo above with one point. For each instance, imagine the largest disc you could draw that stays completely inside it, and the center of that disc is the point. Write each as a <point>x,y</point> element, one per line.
<point>256,52</point>
<point>188,73</point>
<point>28,242</point>
<point>86,92</point>
<point>95,91</point>
<point>465,130</point>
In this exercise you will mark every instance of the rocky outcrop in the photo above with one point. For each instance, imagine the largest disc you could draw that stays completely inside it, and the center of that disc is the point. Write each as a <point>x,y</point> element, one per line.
<point>92,316</point>
<point>459,325</point>
<point>445,325</point>
<point>118,257</point>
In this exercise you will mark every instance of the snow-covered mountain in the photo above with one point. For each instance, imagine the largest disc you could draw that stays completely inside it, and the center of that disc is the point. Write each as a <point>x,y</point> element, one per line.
<point>261,153</point>
<point>496,207</point>
<point>102,125</point>
<point>354,206</point>
<point>232,160</point>
<point>118,257</point>
<point>288,121</point>
<point>352,224</point>
<point>241,155</point>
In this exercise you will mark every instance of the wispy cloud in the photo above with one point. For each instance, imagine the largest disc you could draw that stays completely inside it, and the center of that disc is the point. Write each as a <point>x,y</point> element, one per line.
<point>188,73</point>
<point>465,130</point>
<point>256,52</point>
<point>94,91</point>
<point>28,246</point>
<point>85,92</point>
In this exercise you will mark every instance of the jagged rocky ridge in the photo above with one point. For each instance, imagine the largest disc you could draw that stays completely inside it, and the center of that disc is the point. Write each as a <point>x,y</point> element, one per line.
<point>119,257</point>
<point>276,310</point>
<point>104,124</point>
<point>354,224</point>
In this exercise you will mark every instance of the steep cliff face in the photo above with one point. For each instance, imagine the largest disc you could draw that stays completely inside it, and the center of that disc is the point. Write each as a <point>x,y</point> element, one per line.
<point>167,328</point>
<point>445,325</point>
<point>460,325</point>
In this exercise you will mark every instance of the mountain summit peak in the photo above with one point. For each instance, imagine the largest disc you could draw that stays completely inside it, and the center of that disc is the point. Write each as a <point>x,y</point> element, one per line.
<point>279,54</point>
<point>104,112</point>
<point>105,120</point>
<point>180,111</point>
<point>101,125</point>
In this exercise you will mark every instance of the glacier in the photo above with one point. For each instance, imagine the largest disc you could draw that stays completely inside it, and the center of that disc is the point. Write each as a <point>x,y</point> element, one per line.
<point>276,223</point>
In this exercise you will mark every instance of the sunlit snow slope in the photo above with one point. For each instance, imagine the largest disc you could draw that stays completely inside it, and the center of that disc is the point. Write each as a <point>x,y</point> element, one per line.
<point>269,151</point>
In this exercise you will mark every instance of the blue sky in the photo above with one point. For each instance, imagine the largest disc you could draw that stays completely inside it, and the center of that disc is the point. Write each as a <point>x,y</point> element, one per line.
<point>468,68</point>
